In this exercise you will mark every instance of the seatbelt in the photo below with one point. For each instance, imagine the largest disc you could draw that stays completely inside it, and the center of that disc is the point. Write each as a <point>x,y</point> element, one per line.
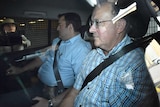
<point>23,87</point>
<point>56,72</point>
<point>143,42</point>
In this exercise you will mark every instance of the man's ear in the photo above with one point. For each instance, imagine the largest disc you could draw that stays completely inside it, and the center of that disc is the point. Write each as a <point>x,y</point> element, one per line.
<point>70,26</point>
<point>120,25</point>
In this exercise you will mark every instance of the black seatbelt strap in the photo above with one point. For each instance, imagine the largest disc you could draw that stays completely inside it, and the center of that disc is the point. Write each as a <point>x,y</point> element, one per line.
<point>138,43</point>
<point>56,72</point>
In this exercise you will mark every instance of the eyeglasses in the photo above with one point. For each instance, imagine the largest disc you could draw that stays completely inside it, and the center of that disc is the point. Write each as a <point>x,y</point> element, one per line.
<point>97,23</point>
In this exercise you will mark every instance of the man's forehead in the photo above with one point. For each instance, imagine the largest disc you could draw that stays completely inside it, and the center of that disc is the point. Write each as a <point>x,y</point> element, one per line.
<point>62,19</point>
<point>101,12</point>
<point>9,24</point>
<point>97,15</point>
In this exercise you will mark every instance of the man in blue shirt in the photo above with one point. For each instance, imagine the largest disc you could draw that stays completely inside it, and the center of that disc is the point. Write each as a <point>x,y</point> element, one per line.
<point>126,82</point>
<point>70,55</point>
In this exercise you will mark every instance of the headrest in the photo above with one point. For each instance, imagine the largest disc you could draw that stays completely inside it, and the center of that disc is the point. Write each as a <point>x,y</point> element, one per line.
<point>139,20</point>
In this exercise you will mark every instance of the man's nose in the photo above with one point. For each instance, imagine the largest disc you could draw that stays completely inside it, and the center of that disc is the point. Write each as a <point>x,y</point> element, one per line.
<point>92,28</point>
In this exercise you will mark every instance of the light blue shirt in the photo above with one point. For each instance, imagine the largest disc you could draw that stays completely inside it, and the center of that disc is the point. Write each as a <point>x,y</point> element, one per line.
<point>70,56</point>
<point>125,83</point>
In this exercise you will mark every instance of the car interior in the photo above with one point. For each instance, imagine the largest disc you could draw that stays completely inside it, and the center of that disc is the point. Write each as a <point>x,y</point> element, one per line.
<point>37,20</point>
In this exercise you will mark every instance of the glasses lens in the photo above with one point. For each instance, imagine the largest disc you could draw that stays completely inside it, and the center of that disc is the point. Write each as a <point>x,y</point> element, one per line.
<point>93,23</point>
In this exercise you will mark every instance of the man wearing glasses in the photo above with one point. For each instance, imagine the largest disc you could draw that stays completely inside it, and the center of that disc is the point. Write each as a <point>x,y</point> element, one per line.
<point>126,82</point>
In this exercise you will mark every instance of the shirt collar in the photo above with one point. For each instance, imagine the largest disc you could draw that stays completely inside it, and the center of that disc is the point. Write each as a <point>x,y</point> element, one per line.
<point>73,39</point>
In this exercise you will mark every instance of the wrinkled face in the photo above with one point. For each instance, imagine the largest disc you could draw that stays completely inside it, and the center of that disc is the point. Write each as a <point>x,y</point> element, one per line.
<point>105,33</point>
<point>63,29</point>
<point>9,28</point>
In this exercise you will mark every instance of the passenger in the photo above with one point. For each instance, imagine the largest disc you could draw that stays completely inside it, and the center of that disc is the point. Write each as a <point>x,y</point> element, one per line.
<point>72,51</point>
<point>9,26</point>
<point>125,83</point>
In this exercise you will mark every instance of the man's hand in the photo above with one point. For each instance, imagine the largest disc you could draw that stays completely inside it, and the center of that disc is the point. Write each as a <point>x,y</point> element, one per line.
<point>14,70</point>
<point>42,102</point>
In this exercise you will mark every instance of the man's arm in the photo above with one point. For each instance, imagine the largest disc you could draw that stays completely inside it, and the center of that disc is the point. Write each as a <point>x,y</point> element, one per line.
<point>68,100</point>
<point>17,70</point>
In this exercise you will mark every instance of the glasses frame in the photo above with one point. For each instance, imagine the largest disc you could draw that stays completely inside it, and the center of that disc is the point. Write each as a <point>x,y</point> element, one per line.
<point>97,22</point>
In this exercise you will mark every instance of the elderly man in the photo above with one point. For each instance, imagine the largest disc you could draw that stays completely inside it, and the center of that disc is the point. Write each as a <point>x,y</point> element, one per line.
<point>126,82</point>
